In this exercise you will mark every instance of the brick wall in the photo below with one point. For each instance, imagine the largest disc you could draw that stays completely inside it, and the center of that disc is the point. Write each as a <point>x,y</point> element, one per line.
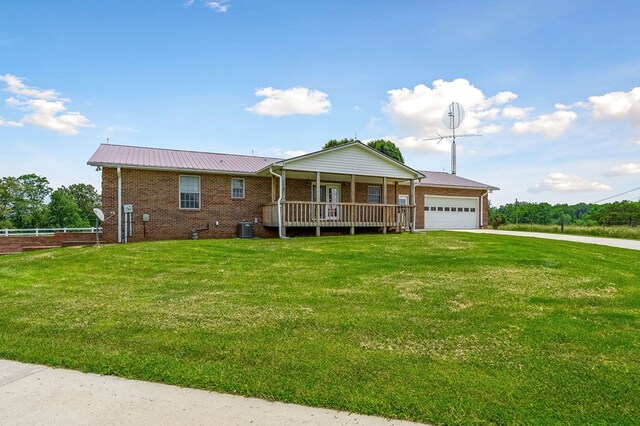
<point>17,244</point>
<point>156,193</point>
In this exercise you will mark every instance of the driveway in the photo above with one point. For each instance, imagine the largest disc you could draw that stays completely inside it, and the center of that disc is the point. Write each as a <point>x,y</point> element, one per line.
<point>611,242</point>
<point>35,394</point>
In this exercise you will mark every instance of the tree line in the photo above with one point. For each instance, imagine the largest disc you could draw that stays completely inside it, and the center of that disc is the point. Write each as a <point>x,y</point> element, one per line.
<point>582,214</point>
<point>28,201</point>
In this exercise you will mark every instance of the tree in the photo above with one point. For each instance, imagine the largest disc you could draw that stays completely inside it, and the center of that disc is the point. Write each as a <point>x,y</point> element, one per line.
<point>64,211</point>
<point>22,201</point>
<point>86,197</point>
<point>386,147</point>
<point>334,142</point>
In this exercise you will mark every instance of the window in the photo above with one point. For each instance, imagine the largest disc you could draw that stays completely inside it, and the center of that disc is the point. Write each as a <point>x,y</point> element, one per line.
<point>466,209</point>
<point>440,209</point>
<point>403,200</point>
<point>237,188</point>
<point>459,209</point>
<point>473,209</point>
<point>189,192</point>
<point>374,195</point>
<point>446,209</point>
<point>433,209</point>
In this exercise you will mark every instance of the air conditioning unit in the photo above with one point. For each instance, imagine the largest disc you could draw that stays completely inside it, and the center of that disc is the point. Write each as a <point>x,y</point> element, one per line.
<point>245,230</point>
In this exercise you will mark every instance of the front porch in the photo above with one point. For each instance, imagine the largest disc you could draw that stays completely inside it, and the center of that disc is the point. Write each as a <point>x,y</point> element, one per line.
<point>348,186</point>
<point>328,214</point>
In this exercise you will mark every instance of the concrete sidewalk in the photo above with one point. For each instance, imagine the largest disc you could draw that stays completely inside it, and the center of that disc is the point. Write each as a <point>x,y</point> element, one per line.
<point>35,394</point>
<point>611,242</point>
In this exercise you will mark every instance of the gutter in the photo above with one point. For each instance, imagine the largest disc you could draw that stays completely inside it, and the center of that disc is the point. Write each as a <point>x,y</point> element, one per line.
<point>482,209</point>
<point>119,169</point>
<point>279,203</point>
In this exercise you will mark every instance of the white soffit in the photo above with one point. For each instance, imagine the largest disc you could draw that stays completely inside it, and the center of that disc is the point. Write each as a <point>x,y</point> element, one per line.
<point>350,159</point>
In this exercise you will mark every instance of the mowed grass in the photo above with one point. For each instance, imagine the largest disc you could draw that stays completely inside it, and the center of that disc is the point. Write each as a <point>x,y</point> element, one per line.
<point>446,328</point>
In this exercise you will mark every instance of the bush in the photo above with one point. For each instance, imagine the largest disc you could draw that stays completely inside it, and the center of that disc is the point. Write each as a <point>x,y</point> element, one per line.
<point>497,219</point>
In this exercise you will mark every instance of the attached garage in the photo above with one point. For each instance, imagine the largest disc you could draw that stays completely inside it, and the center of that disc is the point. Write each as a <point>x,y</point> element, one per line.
<point>451,212</point>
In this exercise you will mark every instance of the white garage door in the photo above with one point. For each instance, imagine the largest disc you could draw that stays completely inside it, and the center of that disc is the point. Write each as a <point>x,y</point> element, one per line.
<point>450,212</point>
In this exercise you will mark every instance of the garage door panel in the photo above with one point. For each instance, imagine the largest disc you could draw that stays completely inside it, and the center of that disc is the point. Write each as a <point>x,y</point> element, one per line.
<point>450,212</point>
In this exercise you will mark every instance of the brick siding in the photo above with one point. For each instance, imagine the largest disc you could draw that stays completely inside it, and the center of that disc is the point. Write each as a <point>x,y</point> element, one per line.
<point>156,193</point>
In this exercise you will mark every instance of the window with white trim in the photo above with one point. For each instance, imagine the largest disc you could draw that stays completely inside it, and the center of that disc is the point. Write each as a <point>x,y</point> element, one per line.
<point>237,188</point>
<point>374,195</point>
<point>403,200</point>
<point>190,192</point>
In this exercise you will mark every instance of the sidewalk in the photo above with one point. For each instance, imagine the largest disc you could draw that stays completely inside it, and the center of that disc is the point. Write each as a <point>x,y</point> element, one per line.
<point>35,394</point>
<point>611,242</point>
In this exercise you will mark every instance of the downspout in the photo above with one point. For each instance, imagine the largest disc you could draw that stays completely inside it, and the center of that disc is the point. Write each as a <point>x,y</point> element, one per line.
<point>279,202</point>
<point>482,209</point>
<point>119,204</point>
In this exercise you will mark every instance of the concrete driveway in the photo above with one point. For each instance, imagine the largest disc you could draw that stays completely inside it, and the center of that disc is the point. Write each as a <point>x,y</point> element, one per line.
<point>611,242</point>
<point>34,394</point>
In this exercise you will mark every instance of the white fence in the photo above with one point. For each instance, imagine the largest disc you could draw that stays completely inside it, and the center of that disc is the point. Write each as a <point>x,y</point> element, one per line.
<point>42,231</point>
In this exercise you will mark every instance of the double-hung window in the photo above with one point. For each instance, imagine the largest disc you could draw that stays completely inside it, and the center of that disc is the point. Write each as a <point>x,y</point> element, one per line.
<point>374,195</point>
<point>190,192</point>
<point>237,188</point>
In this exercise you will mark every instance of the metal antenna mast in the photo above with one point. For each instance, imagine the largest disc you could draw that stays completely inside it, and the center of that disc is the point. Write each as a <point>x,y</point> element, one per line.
<point>452,118</point>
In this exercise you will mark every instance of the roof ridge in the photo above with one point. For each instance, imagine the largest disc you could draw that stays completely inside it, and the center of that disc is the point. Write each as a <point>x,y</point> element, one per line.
<point>189,150</point>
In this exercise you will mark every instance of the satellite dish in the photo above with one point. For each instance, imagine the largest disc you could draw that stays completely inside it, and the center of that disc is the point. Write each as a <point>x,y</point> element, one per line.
<point>99,213</point>
<point>453,116</point>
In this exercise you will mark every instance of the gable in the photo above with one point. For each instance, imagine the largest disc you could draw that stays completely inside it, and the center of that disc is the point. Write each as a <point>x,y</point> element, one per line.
<point>351,159</point>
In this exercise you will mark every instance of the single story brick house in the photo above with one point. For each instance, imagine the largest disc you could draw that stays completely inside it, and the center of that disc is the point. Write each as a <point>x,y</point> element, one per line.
<point>159,194</point>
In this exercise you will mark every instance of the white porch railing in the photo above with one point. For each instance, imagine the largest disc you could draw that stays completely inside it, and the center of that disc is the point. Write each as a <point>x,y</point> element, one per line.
<point>305,214</point>
<point>6,232</point>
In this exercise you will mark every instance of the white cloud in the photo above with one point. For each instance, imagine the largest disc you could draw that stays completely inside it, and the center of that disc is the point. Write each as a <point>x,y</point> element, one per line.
<point>419,111</point>
<point>560,182</point>
<point>294,153</point>
<point>43,108</point>
<point>17,87</point>
<point>5,123</point>
<point>218,6</point>
<point>624,169</point>
<point>552,125</point>
<point>294,101</point>
<point>411,143</point>
<point>503,98</point>
<point>516,113</point>
<point>623,106</point>
<point>491,129</point>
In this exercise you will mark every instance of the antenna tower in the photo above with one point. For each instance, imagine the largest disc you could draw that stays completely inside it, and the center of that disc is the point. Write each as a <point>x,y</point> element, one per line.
<point>452,118</point>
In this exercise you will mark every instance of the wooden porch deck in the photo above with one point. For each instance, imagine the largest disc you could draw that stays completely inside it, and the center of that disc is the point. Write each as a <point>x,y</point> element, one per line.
<point>323,214</point>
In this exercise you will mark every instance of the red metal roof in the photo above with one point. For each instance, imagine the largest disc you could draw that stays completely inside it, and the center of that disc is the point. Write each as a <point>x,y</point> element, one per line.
<point>158,158</point>
<point>447,180</point>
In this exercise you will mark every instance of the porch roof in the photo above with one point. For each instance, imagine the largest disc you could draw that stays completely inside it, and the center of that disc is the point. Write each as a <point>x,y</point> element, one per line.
<point>351,158</point>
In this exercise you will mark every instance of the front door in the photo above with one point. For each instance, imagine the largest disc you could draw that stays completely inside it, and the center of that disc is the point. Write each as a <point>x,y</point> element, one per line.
<point>330,194</point>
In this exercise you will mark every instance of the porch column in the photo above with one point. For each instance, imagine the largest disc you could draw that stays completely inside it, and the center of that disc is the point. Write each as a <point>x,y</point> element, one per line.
<point>384,208</point>
<point>317,204</point>
<point>397,209</point>
<point>352,230</point>
<point>412,203</point>
<point>285,215</point>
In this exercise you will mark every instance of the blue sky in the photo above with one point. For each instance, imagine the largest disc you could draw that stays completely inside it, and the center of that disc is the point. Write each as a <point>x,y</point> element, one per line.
<point>553,86</point>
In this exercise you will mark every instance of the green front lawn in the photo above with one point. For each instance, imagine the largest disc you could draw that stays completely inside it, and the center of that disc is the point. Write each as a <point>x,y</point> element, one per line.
<point>439,327</point>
